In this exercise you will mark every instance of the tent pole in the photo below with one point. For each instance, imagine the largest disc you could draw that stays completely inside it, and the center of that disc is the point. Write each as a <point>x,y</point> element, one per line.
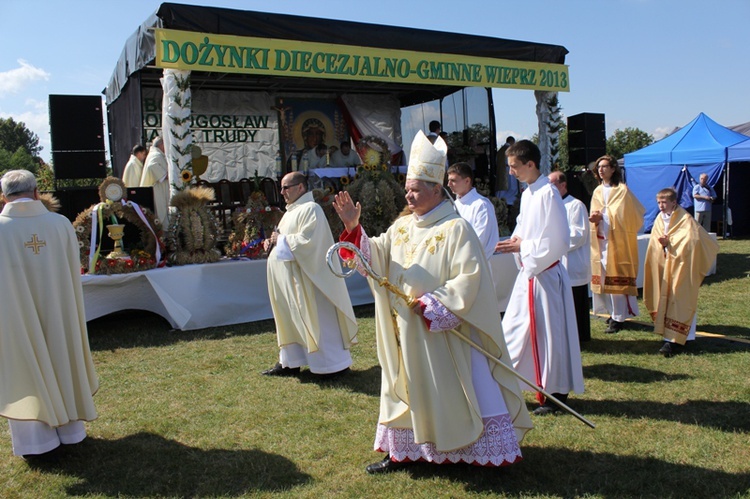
<point>726,200</point>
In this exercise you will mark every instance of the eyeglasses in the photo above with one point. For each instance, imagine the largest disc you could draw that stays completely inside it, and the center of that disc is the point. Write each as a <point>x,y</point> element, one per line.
<point>285,187</point>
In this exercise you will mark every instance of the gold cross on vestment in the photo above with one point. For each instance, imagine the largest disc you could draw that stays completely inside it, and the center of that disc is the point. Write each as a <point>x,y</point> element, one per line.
<point>35,244</point>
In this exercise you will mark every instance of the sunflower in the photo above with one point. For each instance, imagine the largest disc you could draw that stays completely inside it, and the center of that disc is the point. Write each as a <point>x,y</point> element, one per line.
<point>186,176</point>
<point>344,180</point>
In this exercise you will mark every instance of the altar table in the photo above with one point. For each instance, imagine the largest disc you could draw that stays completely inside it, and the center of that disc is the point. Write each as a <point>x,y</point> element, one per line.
<point>222,293</point>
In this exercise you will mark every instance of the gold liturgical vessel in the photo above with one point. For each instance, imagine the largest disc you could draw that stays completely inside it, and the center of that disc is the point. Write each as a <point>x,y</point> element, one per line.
<point>116,233</point>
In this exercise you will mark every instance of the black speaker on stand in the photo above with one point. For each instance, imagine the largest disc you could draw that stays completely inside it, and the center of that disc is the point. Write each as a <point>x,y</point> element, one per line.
<point>587,138</point>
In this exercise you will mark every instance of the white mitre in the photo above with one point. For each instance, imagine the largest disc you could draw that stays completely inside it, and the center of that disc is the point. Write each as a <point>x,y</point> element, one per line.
<point>427,160</point>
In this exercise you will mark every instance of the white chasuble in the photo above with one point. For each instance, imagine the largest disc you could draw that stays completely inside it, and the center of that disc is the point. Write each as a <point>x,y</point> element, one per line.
<point>46,370</point>
<point>295,286</point>
<point>426,383</point>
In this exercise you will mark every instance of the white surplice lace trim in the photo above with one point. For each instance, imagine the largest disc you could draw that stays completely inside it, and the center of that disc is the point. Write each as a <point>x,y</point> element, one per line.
<point>441,319</point>
<point>498,445</point>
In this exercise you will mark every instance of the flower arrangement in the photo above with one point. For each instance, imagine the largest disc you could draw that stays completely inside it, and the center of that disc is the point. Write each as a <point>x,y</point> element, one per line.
<point>251,227</point>
<point>193,229</point>
<point>375,187</point>
<point>142,257</point>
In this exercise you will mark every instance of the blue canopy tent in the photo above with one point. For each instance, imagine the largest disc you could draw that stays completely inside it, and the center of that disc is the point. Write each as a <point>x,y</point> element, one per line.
<point>698,147</point>
<point>739,152</point>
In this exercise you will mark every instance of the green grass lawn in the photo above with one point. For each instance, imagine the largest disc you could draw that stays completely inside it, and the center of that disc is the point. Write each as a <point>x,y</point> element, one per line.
<point>186,414</point>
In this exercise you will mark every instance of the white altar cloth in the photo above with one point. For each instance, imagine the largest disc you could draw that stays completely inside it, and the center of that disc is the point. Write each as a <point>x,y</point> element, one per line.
<point>222,293</point>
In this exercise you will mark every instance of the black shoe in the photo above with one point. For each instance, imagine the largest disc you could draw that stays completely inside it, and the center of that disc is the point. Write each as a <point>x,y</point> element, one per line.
<point>279,370</point>
<point>669,349</point>
<point>614,327</point>
<point>609,320</point>
<point>543,410</point>
<point>335,375</point>
<point>385,466</point>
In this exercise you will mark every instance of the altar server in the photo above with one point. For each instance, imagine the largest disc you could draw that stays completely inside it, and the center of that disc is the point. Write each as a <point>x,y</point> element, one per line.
<point>680,253</point>
<point>48,377</point>
<point>540,322</point>
<point>315,323</point>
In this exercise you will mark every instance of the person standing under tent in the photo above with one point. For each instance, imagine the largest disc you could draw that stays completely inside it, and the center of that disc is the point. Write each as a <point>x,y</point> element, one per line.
<point>156,175</point>
<point>703,197</point>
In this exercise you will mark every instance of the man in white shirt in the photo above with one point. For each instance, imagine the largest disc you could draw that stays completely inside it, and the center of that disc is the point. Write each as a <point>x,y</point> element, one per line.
<point>578,259</point>
<point>315,158</point>
<point>473,207</point>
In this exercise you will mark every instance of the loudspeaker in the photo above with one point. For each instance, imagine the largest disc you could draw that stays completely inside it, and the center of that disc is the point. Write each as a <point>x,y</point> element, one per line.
<point>76,123</point>
<point>587,138</point>
<point>74,201</point>
<point>79,164</point>
<point>142,196</point>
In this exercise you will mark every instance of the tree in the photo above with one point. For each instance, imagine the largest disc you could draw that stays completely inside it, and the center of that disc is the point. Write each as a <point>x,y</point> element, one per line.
<point>14,135</point>
<point>18,160</point>
<point>562,147</point>
<point>624,141</point>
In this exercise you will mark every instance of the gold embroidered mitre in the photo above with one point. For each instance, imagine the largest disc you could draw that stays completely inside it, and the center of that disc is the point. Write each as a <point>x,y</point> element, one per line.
<point>427,161</point>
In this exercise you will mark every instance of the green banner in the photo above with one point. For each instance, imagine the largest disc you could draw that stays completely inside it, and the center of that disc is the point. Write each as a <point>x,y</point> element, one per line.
<point>189,50</point>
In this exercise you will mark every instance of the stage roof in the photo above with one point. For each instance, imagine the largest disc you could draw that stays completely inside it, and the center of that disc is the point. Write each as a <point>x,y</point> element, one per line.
<point>139,52</point>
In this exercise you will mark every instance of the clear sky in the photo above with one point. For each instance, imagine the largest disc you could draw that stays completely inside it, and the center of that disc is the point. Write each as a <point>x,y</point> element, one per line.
<point>651,64</point>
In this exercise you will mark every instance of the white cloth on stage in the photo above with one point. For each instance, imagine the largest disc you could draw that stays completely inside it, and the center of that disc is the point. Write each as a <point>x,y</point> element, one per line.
<point>480,213</point>
<point>543,229</point>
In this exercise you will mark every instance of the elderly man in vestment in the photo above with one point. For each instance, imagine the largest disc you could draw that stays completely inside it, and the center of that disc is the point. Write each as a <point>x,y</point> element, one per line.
<point>131,176</point>
<point>680,253</point>
<point>539,322</point>
<point>315,322</point>
<point>616,215</point>
<point>578,259</point>
<point>48,376</point>
<point>156,175</point>
<point>441,400</point>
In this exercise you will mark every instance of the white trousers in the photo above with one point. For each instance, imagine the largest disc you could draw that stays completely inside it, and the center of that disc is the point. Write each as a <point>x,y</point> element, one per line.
<point>331,355</point>
<point>35,437</point>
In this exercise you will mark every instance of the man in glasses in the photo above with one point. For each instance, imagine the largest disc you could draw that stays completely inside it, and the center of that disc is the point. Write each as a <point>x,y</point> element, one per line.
<point>315,323</point>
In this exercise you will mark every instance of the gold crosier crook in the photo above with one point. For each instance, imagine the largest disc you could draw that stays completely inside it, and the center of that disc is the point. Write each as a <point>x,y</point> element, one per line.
<point>410,301</point>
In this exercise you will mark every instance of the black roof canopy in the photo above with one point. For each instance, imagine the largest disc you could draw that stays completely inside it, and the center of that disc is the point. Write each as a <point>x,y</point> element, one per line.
<point>139,52</point>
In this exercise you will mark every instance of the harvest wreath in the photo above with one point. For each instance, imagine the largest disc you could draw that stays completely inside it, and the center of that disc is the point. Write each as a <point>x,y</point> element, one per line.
<point>142,257</point>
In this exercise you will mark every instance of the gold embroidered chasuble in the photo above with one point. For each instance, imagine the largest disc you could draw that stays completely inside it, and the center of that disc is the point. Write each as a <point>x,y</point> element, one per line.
<point>426,380</point>
<point>46,370</point>
<point>672,278</point>
<point>626,218</point>
<point>294,286</point>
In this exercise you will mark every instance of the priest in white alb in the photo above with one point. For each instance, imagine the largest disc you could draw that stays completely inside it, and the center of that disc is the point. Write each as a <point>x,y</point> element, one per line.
<point>156,175</point>
<point>131,176</point>
<point>441,400</point>
<point>47,376</point>
<point>540,322</point>
<point>315,322</point>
